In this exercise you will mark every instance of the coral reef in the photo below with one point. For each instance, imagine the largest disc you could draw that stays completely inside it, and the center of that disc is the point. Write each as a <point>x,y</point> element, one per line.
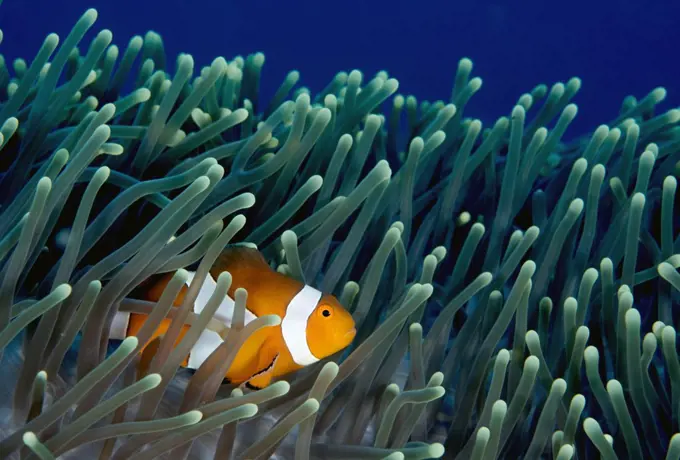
<point>501,277</point>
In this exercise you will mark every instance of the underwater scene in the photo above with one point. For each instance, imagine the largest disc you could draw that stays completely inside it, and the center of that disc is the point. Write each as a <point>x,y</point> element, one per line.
<point>309,230</point>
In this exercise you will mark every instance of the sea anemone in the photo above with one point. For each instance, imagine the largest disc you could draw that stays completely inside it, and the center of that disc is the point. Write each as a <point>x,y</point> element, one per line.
<point>500,277</point>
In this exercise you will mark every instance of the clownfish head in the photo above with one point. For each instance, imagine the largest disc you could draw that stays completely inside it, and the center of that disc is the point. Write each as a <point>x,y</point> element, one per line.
<point>330,328</point>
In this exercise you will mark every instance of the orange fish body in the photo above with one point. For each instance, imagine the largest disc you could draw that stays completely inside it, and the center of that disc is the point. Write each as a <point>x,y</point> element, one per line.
<point>314,325</point>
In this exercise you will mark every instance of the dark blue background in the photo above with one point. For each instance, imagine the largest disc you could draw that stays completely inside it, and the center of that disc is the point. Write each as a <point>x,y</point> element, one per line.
<point>616,48</point>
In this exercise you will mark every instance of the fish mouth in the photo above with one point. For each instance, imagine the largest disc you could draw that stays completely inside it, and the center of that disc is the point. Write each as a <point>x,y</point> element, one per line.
<point>351,334</point>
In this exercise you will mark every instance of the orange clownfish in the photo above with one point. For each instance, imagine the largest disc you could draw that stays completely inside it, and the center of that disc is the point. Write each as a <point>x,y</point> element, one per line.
<point>313,325</point>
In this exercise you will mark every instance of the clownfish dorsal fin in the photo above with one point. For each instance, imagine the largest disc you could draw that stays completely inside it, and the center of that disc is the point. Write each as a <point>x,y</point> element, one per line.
<point>269,292</point>
<point>240,257</point>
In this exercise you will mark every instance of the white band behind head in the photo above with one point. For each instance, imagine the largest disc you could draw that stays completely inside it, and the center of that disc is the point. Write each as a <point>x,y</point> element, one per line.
<point>294,325</point>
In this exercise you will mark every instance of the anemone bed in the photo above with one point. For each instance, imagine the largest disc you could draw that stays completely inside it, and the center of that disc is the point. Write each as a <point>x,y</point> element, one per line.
<point>501,277</point>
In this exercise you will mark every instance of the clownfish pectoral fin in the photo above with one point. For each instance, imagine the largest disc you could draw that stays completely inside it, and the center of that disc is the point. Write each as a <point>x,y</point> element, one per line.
<point>262,378</point>
<point>267,358</point>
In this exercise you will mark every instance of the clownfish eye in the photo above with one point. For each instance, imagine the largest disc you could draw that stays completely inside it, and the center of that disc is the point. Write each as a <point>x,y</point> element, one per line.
<point>326,312</point>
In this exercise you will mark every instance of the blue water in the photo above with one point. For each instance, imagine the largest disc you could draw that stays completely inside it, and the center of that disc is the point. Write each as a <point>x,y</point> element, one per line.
<point>616,48</point>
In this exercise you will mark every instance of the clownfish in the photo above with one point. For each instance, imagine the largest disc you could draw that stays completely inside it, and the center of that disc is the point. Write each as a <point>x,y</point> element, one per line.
<point>313,325</point>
